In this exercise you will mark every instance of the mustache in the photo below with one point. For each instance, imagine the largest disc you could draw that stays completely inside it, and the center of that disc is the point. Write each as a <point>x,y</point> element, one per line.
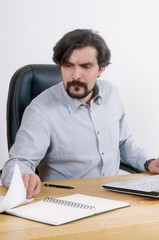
<point>76,83</point>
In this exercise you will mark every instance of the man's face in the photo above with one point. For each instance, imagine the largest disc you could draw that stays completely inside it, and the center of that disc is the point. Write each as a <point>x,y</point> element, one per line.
<point>80,73</point>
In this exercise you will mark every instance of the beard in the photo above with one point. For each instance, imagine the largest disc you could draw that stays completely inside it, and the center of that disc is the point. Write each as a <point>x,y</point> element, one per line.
<point>76,92</point>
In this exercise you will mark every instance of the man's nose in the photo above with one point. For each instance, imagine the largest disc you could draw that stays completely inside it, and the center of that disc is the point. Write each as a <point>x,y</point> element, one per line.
<point>76,74</point>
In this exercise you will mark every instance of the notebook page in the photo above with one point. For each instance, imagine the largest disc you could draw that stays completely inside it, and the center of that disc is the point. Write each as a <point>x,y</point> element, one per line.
<point>16,194</point>
<point>100,204</point>
<point>50,213</point>
<point>1,199</point>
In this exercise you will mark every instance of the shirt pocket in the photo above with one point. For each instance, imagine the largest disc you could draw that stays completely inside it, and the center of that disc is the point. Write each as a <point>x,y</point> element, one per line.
<point>114,133</point>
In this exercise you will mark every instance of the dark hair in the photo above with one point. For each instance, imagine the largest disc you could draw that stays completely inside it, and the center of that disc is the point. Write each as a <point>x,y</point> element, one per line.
<point>80,38</point>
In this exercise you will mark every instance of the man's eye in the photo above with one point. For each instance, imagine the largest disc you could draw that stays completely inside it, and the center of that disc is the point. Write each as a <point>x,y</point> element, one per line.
<point>86,66</point>
<point>67,65</point>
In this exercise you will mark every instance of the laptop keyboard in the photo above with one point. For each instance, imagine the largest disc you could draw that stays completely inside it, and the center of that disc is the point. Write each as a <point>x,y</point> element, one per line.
<point>146,186</point>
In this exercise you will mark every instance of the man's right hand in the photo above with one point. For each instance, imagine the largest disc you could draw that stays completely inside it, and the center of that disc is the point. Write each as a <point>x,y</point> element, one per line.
<point>32,184</point>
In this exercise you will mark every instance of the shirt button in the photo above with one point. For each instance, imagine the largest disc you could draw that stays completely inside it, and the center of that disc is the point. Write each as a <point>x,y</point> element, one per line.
<point>102,153</point>
<point>97,132</point>
<point>103,174</point>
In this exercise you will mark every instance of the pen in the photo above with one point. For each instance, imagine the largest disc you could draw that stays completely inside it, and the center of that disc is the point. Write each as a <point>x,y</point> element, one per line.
<point>57,186</point>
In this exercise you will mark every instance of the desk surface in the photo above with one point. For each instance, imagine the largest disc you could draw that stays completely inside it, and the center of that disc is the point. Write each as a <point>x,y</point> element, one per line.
<point>139,221</point>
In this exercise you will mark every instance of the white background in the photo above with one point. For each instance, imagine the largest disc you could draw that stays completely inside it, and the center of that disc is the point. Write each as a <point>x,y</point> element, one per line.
<point>30,28</point>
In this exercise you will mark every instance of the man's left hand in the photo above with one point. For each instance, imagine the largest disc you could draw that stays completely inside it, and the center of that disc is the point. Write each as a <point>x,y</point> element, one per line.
<point>153,166</point>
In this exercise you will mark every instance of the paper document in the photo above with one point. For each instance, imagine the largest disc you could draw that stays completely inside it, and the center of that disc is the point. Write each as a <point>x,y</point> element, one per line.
<point>16,194</point>
<point>57,211</point>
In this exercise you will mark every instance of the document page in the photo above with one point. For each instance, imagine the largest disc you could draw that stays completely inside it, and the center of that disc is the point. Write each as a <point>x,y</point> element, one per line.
<point>1,198</point>
<point>16,194</point>
<point>100,204</point>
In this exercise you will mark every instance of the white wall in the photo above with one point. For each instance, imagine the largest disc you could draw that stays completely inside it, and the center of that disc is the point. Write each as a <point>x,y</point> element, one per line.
<point>30,28</point>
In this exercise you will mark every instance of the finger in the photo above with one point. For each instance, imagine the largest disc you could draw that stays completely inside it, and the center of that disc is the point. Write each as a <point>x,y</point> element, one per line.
<point>34,185</point>
<point>37,189</point>
<point>25,178</point>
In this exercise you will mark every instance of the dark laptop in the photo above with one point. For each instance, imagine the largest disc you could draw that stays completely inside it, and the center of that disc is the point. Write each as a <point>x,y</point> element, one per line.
<point>146,186</point>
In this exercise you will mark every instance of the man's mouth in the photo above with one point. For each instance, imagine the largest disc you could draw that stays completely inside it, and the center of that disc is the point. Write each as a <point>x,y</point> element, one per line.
<point>76,84</point>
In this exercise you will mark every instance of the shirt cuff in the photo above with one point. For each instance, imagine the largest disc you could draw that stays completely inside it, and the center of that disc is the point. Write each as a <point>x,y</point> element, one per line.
<point>147,163</point>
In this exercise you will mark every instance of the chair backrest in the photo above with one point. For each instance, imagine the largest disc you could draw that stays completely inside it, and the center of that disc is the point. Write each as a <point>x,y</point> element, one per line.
<point>26,83</point>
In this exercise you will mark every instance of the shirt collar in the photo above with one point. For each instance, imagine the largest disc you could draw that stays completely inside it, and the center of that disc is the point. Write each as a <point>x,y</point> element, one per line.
<point>98,96</point>
<point>73,104</point>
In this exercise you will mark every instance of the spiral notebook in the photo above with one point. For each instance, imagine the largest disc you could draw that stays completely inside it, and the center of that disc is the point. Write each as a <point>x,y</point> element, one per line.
<point>57,211</point>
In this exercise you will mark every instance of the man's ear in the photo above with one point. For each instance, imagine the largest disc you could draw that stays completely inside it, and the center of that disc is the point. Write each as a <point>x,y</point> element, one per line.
<point>101,69</point>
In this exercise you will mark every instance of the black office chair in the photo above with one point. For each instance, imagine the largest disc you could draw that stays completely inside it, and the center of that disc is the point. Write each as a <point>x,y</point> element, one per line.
<point>26,84</point>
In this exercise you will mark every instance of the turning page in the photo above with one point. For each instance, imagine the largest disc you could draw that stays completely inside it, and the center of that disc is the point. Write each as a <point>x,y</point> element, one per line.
<point>16,194</point>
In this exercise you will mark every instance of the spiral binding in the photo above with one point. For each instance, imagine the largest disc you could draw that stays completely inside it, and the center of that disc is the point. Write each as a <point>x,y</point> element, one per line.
<point>67,203</point>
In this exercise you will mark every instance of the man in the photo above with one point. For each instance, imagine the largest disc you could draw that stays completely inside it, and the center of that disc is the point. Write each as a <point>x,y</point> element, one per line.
<point>77,128</point>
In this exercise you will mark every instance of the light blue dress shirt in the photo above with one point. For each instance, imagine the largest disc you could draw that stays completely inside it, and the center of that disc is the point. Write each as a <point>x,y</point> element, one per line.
<point>69,139</point>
